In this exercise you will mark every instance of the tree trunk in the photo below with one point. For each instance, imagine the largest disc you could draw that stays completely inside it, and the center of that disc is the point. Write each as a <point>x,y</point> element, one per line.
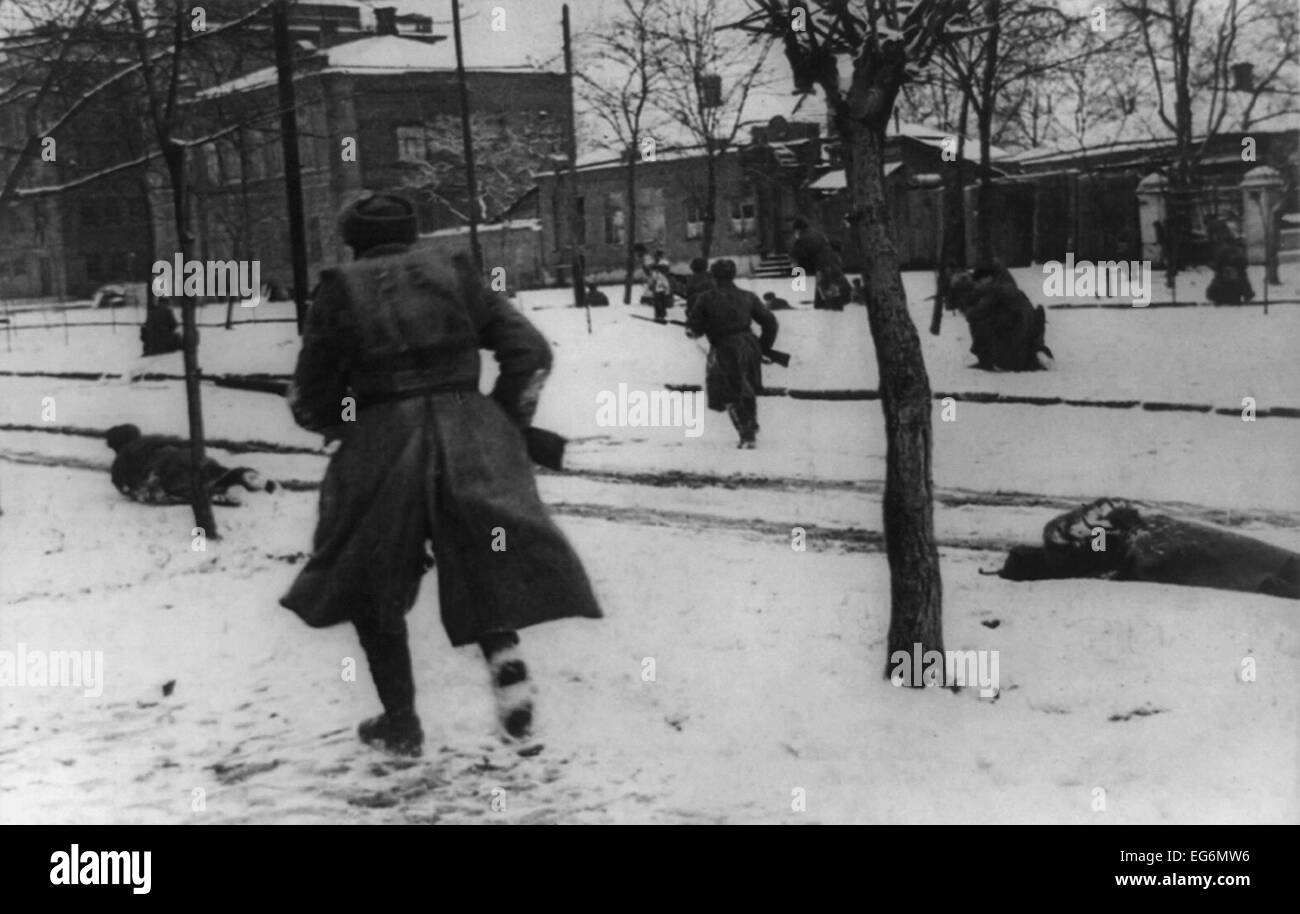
<point>630,239</point>
<point>174,156</point>
<point>710,201</point>
<point>953,252</point>
<point>916,589</point>
<point>984,118</point>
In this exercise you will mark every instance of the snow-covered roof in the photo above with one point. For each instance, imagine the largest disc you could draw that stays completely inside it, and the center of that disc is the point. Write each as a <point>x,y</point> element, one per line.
<point>1141,146</point>
<point>933,136</point>
<point>534,225</point>
<point>835,180</point>
<point>604,158</point>
<point>380,55</point>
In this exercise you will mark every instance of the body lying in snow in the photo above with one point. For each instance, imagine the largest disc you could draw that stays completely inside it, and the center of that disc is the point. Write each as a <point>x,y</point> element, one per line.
<point>1144,546</point>
<point>155,470</point>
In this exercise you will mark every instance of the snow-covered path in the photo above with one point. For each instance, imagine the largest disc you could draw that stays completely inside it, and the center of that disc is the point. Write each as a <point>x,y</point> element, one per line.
<point>767,662</point>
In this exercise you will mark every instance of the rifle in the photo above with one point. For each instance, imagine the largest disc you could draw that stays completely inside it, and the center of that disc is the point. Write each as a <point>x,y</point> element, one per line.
<point>545,448</point>
<point>776,355</point>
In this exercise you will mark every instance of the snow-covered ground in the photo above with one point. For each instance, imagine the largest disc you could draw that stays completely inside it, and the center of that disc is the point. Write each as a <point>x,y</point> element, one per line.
<point>767,661</point>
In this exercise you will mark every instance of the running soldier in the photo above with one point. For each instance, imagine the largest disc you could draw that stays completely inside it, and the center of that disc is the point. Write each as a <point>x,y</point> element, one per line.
<point>734,373</point>
<point>428,458</point>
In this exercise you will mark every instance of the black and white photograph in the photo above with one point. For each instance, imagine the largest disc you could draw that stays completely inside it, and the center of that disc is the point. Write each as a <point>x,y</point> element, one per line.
<point>650,412</point>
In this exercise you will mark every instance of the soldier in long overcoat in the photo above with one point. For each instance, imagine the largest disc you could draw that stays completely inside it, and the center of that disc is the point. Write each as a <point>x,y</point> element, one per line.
<point>734,374</point>
<point>428,459</point>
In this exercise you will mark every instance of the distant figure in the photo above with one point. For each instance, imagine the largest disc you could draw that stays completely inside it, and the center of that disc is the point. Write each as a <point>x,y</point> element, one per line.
<point>1145,546</point>
<point>660,287</point>
<point>734,371</point>
<point>159,332</point>
<point>1007,331</point>
<point>596,298</point>
<point>1231,283</point>
<point>775,304</point>
<point>699,281</point>
<point>859,295</point>
<point>155,470</point>
<point>813,253</point>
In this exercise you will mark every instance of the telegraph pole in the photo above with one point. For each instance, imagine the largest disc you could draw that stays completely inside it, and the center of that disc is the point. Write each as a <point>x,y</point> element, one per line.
<point>292,166</point>
<point>470,184</point>
<point>571,138</point>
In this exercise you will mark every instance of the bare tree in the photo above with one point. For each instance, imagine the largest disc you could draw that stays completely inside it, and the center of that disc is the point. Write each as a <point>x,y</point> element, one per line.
<point>618,78</point>
<point>1189,48</point>
<point>706,82</point>
<point>1011,45</point>
<point>890,42</point>
<point>506,149</point>
<point>117,30</point>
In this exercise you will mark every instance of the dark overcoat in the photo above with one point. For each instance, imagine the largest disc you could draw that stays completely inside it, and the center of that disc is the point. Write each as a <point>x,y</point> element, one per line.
<point>1006,329</point>
<point>428,459</point>
<point>734,370</point>
<point>1141,545</point>
<point>155,470</point>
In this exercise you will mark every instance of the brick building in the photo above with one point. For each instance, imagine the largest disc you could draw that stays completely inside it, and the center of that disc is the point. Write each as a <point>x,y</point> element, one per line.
<point>786,169</point>
<point>109,229</point>
<point>376,113</point>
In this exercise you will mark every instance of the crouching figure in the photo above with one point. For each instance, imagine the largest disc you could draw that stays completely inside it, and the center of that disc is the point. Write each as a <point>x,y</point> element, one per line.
<point>1007,332</point>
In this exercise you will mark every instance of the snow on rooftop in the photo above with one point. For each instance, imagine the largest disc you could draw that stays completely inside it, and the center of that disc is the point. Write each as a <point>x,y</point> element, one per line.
<point>380,55</point>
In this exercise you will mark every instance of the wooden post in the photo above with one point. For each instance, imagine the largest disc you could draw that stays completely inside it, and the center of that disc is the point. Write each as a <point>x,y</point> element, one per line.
<point>571,138</point>
<point>467,140</point>
<point>292,166</point>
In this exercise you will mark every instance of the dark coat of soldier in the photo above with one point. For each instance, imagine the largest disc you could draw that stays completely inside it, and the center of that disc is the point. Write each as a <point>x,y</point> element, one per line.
<point>428,460</point>
<point>698,282</point>
<point>813,252</point>
<point>734,373</point>
<point>159,332</point>
<point>1007,331</point>
<point>1142,545</point>
<point>155,470</point>
<point>1230,284</point>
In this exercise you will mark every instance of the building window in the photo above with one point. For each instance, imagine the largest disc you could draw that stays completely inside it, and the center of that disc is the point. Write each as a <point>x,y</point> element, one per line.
<point>694,220</point>
<point>20,267</point>
<point>651,224</point>
<point>615,220</point>
<point>94,267</point>
<point>744,217</point>
<point>411,144</point>
<point>272,159</point>
<point>210,167</point>
<point>110,212</point>
<point>313,239</point>
<point>228,157</point>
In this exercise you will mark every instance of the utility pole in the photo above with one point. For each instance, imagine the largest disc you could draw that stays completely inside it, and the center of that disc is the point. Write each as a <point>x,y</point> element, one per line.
<point>292,166</point>
<point>470,184</point>
<point>571,138</point>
